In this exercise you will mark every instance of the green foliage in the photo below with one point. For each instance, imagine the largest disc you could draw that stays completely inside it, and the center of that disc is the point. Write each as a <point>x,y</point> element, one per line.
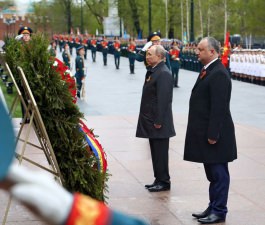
<point>244,16</point>
<point>60,115</point>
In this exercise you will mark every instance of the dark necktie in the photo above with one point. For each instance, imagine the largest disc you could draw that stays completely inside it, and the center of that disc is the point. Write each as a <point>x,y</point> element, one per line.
<point>202,73</point>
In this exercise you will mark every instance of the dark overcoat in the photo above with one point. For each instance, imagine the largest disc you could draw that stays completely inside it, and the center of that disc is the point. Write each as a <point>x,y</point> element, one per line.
<point>210,117</point>
<point>156,104</point>
<point>79,67</point>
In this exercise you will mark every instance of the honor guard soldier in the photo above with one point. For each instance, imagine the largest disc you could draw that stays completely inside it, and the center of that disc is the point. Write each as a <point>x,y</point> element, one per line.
<point>232,64</point>
<point>77,44</point>
<point>52,50</point>
<point>262,67</point>
<point>66,56</point>
<point>25,34</point>
<point>184,62</point>
<point>84,42</point>
<point>60,42</point>
<point>80,68</point>
<point>193,58</point>
<point>117,52</point>
<point>104,48</point>
<point>237,64</point>
<point>188,59</point>
<point>93,47</point>
<point>131,54</point>
<point>71,44</point>
<point>153,39</point>
<point>175,62</point>
<point>256,66</point>
<point>55,38</point>
<point>66,40</point>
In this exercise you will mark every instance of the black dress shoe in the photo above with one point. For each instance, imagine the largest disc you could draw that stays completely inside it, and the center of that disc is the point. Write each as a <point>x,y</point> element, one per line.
<point>26,121</point>
<point>150,185</point>
<point>159,187</point>
<point>212,218</point>
<point>203,214</point>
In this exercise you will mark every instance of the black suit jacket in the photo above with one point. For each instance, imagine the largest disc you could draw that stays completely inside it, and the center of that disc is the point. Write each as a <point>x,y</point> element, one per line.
<point>156,104</point>
<point>210,117</point>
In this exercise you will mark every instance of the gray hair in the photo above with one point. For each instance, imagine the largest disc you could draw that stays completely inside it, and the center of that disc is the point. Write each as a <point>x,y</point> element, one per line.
<point>159,50</point>
<point>213,43</point>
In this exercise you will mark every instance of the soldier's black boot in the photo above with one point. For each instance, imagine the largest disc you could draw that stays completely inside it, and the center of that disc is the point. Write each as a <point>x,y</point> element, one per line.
<point>132,69</point>
<point>117,63</point>
<point>176,81</point>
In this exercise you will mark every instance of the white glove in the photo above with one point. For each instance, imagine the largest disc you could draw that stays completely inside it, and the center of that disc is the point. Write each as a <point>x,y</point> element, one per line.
<point>18,37</point>
<point>36,189</point>
<point>147,45</point>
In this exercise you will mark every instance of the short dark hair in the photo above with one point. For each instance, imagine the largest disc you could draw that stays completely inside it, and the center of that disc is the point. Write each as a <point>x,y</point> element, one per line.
<point>213,43</point>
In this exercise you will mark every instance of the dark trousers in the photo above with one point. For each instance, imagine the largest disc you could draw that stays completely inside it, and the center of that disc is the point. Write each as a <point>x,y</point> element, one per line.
<point>159,152</point>
<point>85,53</point>
<point>219,178</point>
<point>78,85</point>
<point>175,75</point>
<point>104,58</point>
<point>117,60</point>
<point>131,62</point>
<point>93,53</point>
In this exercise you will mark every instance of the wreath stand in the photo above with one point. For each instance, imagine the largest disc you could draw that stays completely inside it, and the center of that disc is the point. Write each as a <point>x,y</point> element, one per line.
<point>35,121</point>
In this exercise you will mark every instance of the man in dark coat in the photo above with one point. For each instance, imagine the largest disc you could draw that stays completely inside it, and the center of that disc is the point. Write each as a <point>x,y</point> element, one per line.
<point>210,137</point>
<point>155,119</point>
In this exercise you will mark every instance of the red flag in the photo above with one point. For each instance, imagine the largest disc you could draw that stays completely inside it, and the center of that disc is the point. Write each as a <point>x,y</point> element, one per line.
<point>226,50</point>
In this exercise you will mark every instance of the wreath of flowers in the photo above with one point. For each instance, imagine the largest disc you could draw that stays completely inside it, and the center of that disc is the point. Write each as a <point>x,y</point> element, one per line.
<point>90,138</point>
<point>67,76</point>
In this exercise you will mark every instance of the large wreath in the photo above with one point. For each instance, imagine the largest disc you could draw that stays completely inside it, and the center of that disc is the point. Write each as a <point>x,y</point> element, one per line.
<point>81,170</point>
